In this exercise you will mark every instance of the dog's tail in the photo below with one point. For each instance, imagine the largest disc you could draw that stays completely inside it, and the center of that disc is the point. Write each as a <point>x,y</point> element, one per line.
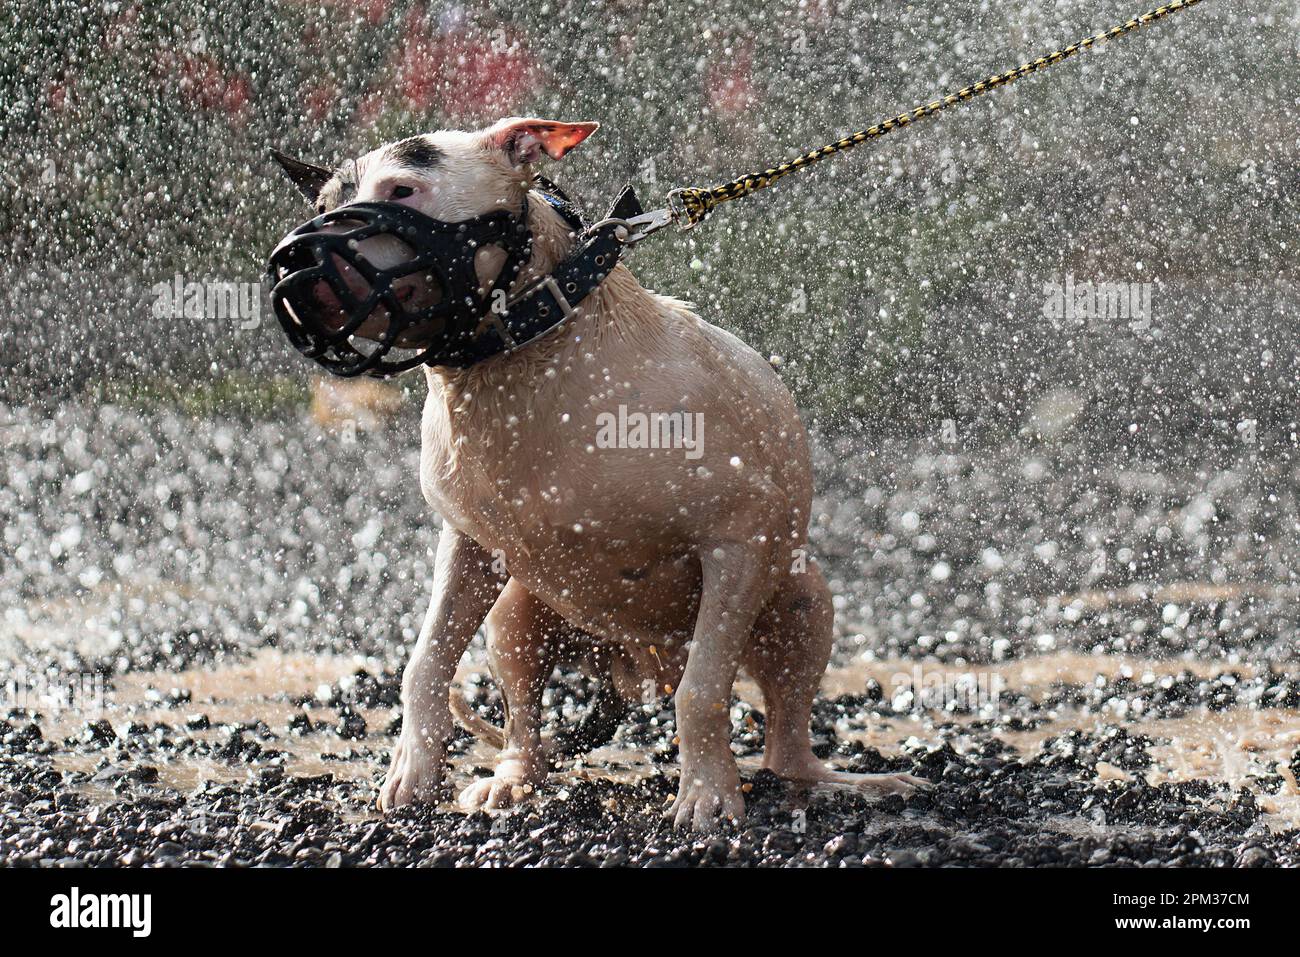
<point>475,723</point>
<point>594,729</point>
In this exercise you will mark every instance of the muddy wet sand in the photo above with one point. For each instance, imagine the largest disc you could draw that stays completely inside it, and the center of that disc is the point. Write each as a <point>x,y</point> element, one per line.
<point>202,658</point>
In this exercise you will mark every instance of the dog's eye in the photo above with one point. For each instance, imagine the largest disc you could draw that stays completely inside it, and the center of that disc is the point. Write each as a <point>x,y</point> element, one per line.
<point>402,192</point>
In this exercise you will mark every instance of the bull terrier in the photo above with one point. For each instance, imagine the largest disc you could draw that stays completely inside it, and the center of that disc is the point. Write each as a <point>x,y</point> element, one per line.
<point>681,562</point>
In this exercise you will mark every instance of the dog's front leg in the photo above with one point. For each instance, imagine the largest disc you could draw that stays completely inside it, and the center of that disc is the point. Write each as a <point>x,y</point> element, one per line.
<point>733,576</point>
<point>464,589</point>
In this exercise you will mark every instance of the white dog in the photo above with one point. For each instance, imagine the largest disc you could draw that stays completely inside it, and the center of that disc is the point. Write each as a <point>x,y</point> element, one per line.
<point>679,567</point>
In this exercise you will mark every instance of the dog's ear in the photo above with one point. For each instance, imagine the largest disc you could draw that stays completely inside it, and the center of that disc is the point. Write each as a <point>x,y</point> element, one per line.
<point>524,141</point>
<point>308,178</point>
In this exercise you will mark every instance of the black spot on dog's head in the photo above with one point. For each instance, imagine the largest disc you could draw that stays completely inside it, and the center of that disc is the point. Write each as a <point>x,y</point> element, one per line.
<point>416,152</point>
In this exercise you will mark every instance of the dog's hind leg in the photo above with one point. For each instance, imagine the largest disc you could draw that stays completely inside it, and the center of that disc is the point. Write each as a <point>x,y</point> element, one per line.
<point>521,631</point>
<point>787,657</point>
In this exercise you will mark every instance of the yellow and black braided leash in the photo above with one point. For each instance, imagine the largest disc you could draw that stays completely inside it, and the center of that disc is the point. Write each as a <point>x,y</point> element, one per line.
<point>689,206</point>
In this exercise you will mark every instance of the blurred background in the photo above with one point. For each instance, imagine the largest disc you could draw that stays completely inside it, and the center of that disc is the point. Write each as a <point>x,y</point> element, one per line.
<point>903,284</point>
<point>905,287</point>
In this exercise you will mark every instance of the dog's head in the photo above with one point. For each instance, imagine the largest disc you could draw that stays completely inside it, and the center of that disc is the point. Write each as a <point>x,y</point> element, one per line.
<point>450,175</point>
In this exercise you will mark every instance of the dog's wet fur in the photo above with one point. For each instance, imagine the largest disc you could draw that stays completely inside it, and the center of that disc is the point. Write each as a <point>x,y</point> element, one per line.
<point>716,544</point>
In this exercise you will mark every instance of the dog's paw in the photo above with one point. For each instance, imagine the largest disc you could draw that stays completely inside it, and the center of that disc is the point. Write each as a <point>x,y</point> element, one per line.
<point>513,782</point>
<point>415,775</point>
<point>704,802</point>
<point>495,793</point>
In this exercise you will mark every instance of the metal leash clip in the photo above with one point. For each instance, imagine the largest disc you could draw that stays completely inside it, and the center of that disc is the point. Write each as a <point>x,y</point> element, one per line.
<point>639,227</point>
<point>631,225</point>
<point>629,231</point>
<point>677,211</point>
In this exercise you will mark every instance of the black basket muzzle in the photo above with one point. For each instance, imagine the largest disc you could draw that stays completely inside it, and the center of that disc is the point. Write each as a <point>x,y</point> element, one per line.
<point>369,279</point>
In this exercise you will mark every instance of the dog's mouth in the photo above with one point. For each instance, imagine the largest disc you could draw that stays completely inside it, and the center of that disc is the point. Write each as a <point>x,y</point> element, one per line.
<point>324,308</point>
<point>332,304</point>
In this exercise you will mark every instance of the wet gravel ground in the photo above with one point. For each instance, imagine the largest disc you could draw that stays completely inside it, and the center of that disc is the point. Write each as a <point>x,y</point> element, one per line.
<point>144,551</point>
